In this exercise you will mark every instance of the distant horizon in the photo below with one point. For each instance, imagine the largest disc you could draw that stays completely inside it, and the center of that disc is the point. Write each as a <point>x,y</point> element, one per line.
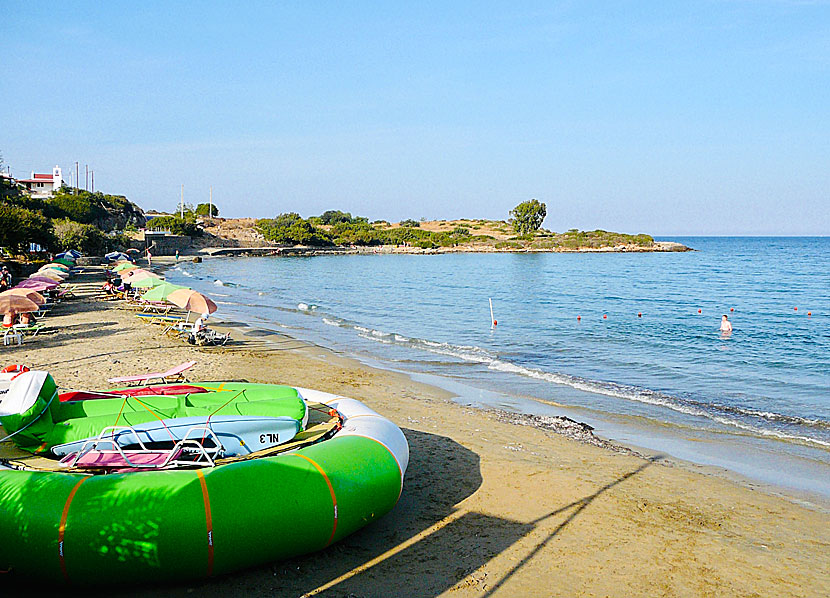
<point>709,116</point>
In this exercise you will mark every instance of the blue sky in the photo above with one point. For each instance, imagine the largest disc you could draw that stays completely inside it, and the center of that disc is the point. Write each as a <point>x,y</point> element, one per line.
<point>704,117</point>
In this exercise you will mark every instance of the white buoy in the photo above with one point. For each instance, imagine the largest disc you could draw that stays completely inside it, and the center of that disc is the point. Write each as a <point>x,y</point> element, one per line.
<point>493,321</point>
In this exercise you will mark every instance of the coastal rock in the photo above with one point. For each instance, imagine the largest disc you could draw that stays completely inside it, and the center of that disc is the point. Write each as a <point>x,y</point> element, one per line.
<point>565,426</point>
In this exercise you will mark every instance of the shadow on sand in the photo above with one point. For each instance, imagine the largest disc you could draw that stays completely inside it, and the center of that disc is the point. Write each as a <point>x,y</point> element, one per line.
<point>424,547</point>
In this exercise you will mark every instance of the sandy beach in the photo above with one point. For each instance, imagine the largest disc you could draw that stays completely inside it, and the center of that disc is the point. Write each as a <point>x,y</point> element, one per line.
<point>489,507</point>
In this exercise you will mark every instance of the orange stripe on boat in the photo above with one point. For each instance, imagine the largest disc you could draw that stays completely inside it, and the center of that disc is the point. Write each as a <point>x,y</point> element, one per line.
<point>208,521</point>
<point>331,490</point>
<point>62,526</point>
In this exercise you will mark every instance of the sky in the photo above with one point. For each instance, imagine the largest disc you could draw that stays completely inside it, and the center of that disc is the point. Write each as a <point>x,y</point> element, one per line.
<point>669,118</point>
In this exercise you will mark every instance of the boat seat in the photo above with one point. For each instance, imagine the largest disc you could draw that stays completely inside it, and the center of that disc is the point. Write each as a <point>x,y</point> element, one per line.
<point>121,459</point>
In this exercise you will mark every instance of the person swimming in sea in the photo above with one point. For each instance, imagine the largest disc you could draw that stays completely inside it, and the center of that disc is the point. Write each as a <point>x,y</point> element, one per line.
<point>725,324</point>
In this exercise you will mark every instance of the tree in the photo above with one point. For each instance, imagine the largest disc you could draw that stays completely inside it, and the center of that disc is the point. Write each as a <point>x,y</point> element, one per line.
<point>207,209</point>
<point>335,217</point>
<point>84,237</point>
<point>528,216</point>
<point>177,226</point>
<point>19,227</point>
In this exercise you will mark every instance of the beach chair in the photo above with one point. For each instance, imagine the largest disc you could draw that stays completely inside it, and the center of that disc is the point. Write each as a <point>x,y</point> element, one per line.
<point>180,327</point>
<point>159,318</point>
<point>171,375</point>
<point>30,330</point>
<point>67,292</point>
<point>11,336</point>
<point>188,452</point>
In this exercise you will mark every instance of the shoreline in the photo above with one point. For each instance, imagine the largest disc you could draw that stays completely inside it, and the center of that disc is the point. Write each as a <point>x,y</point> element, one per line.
<point>301,250</point>
<point>487,506</point>
<point>755,462</point>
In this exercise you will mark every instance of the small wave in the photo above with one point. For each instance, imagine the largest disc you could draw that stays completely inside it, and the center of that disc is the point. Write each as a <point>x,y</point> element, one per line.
<point>332,322</point>
<point>302,306</point>
<point>186,273</point>
<point>712,412</point>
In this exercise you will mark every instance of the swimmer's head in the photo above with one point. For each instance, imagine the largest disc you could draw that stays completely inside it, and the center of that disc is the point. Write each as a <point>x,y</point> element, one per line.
<point>725,317</point>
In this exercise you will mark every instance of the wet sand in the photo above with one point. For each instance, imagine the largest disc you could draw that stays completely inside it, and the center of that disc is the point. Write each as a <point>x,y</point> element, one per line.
<point>490,507</point>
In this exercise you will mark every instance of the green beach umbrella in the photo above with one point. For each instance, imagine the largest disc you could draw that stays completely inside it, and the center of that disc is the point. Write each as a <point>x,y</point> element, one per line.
<point>161,292</point>
<point>56,266</point>
<point>150,282</point>
<point>64,261</point>
<point>123,266</point>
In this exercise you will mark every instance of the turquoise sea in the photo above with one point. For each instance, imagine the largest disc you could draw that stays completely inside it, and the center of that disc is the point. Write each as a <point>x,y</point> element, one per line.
<point>645,363</point>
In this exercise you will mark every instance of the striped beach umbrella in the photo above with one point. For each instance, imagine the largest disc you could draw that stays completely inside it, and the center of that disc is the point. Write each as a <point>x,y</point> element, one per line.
<point>30,294</point>
<point>161,292</point>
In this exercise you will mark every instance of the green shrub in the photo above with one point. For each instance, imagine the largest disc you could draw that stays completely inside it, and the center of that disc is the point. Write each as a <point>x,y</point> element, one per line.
<point>207,209</point>
<point>175,224</point>
<point>84,237</point>
<point>410,223</point>
<point>20,226</point>
<point>292,229</point>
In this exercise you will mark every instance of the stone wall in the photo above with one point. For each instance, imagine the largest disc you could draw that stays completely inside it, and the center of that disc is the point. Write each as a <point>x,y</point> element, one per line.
<point>162,244</point>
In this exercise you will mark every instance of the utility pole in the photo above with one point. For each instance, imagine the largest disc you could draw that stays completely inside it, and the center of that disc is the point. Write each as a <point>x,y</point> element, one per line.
<point>182,202</point>
<point>92,175</point>
<point>86,177</point>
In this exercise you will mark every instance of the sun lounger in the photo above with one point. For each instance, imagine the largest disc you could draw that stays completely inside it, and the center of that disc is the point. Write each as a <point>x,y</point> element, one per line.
<point>30,330</point>
<point>67,292</point>
<point>159,318</point>
<point>176,373</point>
<point>11,336</point>
<point>159,307</point>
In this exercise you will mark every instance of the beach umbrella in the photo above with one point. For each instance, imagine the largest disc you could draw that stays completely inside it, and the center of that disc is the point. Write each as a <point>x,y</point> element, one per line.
<point>48,271</point>
<point>117,255</point>
<point>75,253</point>
<point>10,303</point>
<point>30,294</point>
<point>51,274</point>
<point>192,301</point>
<point>133,250</point>
<point>64,261</point>
<point>136,275</point>
<point>124,266</point>
<point>161,292</point>
<point>147,283</point>
<point>37,285</point>
<point>56,267</point>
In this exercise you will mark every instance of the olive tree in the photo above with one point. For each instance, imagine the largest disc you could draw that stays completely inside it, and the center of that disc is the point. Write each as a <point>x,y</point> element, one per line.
<point>528,216</point>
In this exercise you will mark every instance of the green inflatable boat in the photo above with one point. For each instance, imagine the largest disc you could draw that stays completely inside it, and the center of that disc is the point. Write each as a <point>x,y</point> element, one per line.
<point>134,500</point>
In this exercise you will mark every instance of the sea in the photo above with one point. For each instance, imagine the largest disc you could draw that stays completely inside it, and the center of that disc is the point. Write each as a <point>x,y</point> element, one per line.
<point>626,342</point>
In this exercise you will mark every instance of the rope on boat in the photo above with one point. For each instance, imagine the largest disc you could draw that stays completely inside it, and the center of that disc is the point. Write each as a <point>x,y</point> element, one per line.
<point>34,420</point>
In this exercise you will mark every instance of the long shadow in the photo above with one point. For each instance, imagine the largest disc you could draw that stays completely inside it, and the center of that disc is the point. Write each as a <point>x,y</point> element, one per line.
<point>441,474</point>
<point>423,547</point>
<point>580,505</point>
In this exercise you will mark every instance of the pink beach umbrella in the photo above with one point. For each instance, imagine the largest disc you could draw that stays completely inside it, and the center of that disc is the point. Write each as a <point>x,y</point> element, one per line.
<point>43,279</point>
<point>30,294</point>
<point>191,301</point>
<point>17,304</point>
<point>54,275</point>
<point>136,275</point>
<point>36,285</point>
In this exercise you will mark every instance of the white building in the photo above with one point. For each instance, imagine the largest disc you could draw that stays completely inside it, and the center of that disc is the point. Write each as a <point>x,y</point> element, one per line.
<point>43,185</point>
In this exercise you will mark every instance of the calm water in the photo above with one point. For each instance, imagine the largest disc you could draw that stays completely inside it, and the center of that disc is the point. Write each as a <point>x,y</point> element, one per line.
<point>765,387</point>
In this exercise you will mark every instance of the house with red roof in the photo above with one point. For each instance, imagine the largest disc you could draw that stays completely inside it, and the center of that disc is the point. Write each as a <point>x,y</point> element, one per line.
<point>43,185</point>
